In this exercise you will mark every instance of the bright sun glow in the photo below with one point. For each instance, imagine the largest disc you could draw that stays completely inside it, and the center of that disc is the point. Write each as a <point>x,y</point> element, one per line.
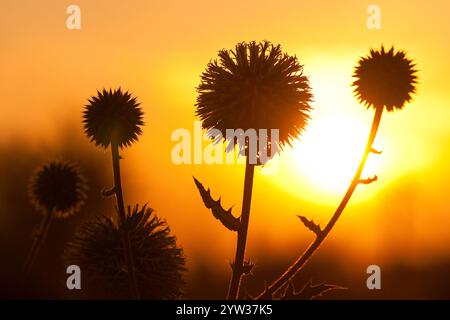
<point>330,150</point>
<point>322,162</point>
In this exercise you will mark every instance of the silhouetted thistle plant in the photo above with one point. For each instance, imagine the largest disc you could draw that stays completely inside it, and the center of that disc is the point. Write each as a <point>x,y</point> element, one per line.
<point>57,190</point>
<point>159,264</point>
<point>383,80</point>
<point>114,119</point>
<point>255,86</point>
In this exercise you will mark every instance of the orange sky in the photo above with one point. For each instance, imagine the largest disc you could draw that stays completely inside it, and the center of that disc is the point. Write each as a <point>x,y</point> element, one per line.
<point>158,49</point>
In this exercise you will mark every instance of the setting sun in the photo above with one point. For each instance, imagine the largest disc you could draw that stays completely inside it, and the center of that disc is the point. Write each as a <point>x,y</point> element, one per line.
<point>121,125</point>
<point>330,150</point>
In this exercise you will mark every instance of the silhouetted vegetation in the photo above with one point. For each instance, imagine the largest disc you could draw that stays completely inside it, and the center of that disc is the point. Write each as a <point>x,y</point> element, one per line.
<point>257,87</point>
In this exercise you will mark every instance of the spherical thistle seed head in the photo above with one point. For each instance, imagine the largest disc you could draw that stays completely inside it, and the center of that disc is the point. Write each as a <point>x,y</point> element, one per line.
<point>58,187</point>
<point>113,117</point>
<point>255,86</point>
<point>385,78</point>
<point>159,264</point>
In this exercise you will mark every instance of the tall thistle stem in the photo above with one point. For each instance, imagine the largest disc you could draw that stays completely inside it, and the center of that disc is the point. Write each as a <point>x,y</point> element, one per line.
<point>39,240</point>
<point>233,291</point>
<point>128,255</point>
<point>320,237</point>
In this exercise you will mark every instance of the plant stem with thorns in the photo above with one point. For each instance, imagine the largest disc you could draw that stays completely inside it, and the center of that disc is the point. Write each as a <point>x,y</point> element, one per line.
<point>237,267</point>
<point>321,235</point>
<point>128,255</point>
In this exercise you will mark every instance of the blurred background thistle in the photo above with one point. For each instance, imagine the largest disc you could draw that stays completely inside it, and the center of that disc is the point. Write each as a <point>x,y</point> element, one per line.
<point>57,190</point>
<point>253,86</point>
<point>98,249</point>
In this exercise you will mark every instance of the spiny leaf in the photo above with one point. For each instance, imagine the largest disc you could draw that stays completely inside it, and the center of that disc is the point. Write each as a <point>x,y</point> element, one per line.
<point>309,291</point>
<point>311,225</point>
<point>247,267</point>
<point>108,192</point>
<point>374,151</point>
<point>368,180</point>
<point>225,216</point>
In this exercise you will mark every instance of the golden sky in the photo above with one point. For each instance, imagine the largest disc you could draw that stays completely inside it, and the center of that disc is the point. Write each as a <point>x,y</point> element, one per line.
<point>157,49</point>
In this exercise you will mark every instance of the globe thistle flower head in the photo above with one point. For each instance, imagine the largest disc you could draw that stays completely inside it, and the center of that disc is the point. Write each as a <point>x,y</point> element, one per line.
<point>58,187</point>
<point>159,264</point>
<point>113,117</point>
<point>254,86</point>
<point>385,78</point>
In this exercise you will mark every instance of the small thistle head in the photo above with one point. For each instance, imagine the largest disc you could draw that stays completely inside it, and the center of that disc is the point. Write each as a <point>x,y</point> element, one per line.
<point>254,86</point>
<point>159,264</point>
<point>113,117</point>
<point>385,78</point>
<point>58,187</point>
